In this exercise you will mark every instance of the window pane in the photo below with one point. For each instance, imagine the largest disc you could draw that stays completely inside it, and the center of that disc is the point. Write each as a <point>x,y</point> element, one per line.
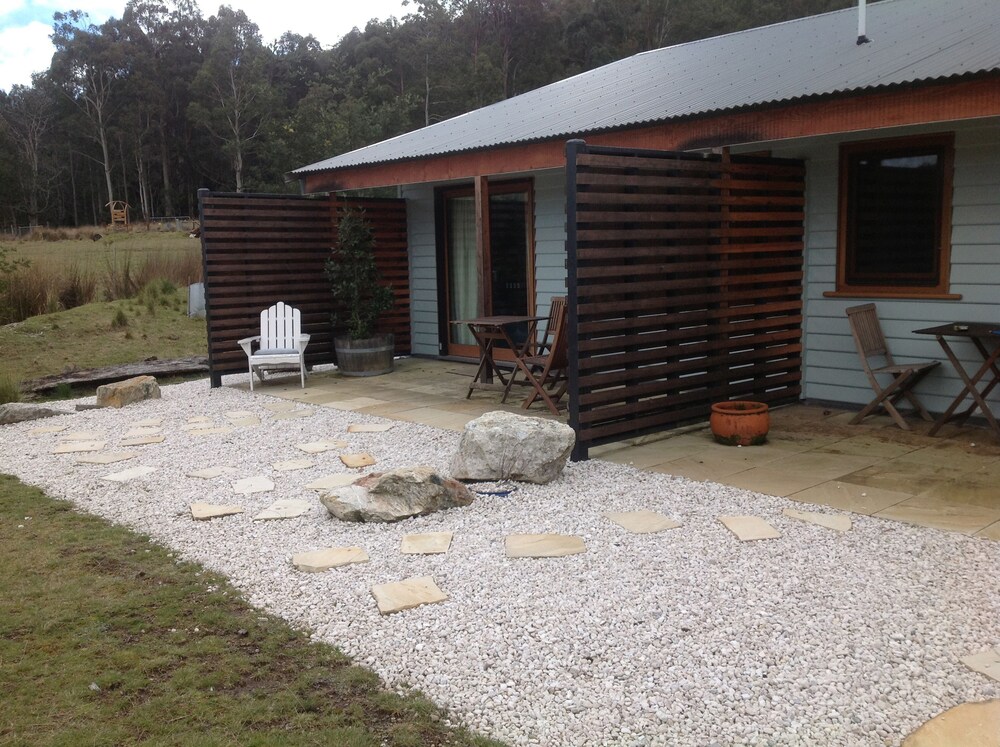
<point>894,217</point>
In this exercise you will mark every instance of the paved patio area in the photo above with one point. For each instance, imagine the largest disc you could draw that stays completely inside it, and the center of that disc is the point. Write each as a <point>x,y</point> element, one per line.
<point>813,455</point>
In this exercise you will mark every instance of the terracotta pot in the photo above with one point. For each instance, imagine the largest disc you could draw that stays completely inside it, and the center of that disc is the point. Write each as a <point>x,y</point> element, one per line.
<point>740,423</point>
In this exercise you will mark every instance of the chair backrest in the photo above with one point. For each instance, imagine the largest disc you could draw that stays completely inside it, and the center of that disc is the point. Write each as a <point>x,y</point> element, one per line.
<point>867,332</point>
<point>559,350</point>
<point>280,327</point>
<point>557,310</point>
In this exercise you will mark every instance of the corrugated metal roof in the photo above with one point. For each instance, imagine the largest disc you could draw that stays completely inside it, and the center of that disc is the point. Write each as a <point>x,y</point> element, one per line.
<point>911,41</point>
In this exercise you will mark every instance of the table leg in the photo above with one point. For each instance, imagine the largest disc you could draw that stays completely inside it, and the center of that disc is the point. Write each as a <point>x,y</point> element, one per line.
<point>970,387</point>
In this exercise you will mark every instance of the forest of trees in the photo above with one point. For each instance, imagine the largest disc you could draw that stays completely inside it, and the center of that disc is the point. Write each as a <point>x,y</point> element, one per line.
<point>151,107</point>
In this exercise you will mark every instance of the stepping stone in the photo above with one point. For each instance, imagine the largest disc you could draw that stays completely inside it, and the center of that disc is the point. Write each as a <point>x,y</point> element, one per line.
<point>250,485</point>
<point>293,414</point>
<point>244,422</point>
<point>543,545</point>
<point>748,528</point>
<point>967,725</point>
<point>282,406</point>
<point>217,431</point>
<point>149,423</point>
<point>370,428</point>
<point>129,474</point>
<point>239,414</point>
<point>81,436</point>
<point>318,447</point>
<point>431,543</point>
<point>642,522</point>
<point>143,440</point>
<point>107,457</point>
<point>332,481</point>
<point>287,508</point>
<point>209,473</point>
<point>357,460</point>
<point>73,447</point>
<point>988,663</point>
<point>199,419</point>
<point>293,464</point>
<point>407,594</point>
<point>47,429</point>
<point>837,522</point>
<point>315,561</point>
<point>136,432</point>
<point>205,511</point>
<point>199,426</point>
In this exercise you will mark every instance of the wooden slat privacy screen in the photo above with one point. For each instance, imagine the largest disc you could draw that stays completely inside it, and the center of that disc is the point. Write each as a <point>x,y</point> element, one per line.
<point>260,249</point>
<point>685,286</point>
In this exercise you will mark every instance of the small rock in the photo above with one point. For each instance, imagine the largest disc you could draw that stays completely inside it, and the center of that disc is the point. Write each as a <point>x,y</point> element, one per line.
<point>397,494</point>
<point>126,392</point>
<point>19,412</point>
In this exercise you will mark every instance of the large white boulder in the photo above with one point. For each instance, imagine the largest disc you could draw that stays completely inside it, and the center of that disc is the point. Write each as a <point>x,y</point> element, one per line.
<point>504,446</point>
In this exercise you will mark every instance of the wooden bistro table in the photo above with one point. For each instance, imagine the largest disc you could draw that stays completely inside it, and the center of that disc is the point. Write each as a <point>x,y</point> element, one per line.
<point>488,331</point>
<point>977,385</point>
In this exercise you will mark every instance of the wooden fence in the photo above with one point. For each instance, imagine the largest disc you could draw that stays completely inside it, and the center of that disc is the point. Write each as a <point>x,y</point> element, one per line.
<point>260,249</point>
<point>685,286</point>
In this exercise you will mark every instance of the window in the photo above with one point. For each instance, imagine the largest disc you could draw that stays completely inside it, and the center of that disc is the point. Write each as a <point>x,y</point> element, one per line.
<point>895,217</point>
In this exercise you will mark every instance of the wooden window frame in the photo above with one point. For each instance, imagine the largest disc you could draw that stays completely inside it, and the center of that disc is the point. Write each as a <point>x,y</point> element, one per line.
<point>941,290</point>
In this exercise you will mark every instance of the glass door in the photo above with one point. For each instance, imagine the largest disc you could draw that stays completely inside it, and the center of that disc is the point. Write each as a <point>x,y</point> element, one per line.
<point>502,276</point>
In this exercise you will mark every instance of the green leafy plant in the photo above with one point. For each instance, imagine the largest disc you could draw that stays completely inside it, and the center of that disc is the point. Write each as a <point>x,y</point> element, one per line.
<point>354,278</point>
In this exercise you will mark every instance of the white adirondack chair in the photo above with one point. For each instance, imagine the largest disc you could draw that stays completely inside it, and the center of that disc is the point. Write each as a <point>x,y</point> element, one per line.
<point>280,344</point>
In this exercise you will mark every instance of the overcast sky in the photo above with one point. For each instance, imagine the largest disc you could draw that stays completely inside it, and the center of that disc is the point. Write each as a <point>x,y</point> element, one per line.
<point>25,25</point>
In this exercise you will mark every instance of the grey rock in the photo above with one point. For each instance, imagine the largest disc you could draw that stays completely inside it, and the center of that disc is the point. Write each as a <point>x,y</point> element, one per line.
<point>19,412</point>
<point>395,495</point>
<point>506,446</point>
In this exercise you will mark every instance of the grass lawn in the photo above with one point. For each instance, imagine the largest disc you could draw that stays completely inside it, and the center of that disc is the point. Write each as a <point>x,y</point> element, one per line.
<point>97,335</point>
<point>111,248</point>
<point>105,639</point>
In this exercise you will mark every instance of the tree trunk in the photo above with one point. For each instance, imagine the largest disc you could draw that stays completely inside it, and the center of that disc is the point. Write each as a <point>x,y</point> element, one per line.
<point>168,200</point>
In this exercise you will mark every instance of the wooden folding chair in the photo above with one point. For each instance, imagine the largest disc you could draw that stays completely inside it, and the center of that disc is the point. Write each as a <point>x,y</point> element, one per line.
<point>547,372</point>
<point>870,342</point>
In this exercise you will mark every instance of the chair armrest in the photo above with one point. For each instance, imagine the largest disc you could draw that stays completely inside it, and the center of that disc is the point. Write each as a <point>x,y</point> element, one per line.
<point>303,342</point>
<point>247,343</point>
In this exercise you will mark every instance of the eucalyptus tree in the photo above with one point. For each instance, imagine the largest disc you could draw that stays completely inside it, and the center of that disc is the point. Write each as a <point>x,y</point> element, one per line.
<point>233,95</point>
<point>27,115</point>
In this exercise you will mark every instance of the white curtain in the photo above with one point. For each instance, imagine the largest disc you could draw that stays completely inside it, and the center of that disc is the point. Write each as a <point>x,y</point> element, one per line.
<point>462,272</point>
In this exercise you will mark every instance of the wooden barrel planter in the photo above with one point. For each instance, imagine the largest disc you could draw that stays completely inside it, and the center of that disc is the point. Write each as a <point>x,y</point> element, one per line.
<point>367,357</point>
<point>740,423</point>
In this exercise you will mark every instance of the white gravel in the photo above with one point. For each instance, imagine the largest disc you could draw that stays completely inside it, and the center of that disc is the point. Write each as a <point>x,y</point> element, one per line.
<point>686,637</point>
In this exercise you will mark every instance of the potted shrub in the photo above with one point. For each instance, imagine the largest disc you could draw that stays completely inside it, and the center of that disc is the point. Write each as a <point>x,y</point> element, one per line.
<point>740,423</point>
<point>359,298</point>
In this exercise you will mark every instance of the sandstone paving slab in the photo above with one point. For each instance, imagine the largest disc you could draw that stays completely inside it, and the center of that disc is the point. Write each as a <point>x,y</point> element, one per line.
<point>201,425</point>
<point>319,447</point>
<point>205,511</point>
<point>354,404</point>
<point>255,484</point>
<point>329,482</point>
<point>286,508</point>
<point>407,594</point>
<point>75,447</point>
<point>642,522</point>
<point>987,662</point>
<point>749,528</point>
<point>543,545</point>
<point>199,419</point>
<point>293,414</point>
<point>966,725</point>
<point>429,543</point>
<point>282,406</point>
<point>315,561</point>
<point>129,474</point>
<point>238,414</point>
<point>47,429</point>
<point>837,522</point>
<point>369,427</point>
<point>357,460</point>
<point>81,436</point>
<point>244,422</point>
<point>107,457</point>
<point>209,473</point>
<point>143,440</point>
<point>290,465</point>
